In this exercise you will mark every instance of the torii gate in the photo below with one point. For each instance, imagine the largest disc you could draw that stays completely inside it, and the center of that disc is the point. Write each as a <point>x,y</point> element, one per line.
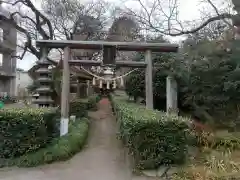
<point>109,54</point>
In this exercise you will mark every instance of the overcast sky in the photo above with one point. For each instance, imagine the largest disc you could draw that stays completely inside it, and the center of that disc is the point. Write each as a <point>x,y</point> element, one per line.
<point>189,10</point>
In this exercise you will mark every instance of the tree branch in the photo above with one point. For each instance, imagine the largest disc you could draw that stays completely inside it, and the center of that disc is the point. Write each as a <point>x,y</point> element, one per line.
<point>29,45</point>
<point>39,14</point>
<point>217,12</point>
<point>212,19</point>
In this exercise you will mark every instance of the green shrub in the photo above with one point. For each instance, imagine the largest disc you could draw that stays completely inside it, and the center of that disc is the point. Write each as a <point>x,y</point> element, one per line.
<point>52,120</point>
<point>92,102</point>
<point>153,137</point>
<point>26,130</point>
<point>79,108</point>
<point>98,98</point>
<point>61,148</point>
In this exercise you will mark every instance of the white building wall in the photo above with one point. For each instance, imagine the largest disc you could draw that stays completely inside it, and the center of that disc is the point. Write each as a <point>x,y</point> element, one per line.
<point>23,80</point>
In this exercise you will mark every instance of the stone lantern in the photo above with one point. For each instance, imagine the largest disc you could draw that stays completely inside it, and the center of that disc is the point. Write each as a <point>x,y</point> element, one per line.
<point>108,74</point>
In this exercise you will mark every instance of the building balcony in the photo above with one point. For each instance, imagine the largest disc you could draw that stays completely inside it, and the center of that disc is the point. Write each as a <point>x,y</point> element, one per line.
<point>10,72</point>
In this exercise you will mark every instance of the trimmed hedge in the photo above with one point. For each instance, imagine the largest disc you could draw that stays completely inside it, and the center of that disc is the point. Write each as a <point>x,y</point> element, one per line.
<point>92,102</point>
<point>79,107</point>
<point>26,130</point>
<point>61,148</point>
<point>152,137</point>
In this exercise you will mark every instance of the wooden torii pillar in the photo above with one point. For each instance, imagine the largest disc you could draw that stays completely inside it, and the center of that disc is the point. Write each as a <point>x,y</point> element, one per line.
<point>110,49</point>
<point>236,18</point>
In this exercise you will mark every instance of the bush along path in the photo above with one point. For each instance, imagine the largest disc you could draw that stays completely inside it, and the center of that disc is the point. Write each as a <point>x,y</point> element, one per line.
<point>101,159</point>
<point>157,141</point>
<point>31,136</point>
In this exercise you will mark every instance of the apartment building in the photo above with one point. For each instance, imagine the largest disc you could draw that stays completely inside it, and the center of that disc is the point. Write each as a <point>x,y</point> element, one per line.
<point>8,48</point>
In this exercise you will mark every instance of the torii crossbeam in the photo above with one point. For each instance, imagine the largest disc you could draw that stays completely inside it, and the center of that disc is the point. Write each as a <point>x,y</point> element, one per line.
<point>109,54</point>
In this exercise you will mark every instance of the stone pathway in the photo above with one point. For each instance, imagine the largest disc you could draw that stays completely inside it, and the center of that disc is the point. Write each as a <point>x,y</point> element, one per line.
<point>103,158</point>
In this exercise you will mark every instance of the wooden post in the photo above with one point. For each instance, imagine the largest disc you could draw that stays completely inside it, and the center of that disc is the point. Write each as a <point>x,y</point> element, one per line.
<point>236,18</point>
<point>148,80</point>
<point>172,104</point>
<point>65,93</point>
<point>88,88</point>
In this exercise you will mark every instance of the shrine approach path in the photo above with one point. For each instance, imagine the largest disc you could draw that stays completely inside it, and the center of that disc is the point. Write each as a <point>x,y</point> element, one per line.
<point>103,157</point>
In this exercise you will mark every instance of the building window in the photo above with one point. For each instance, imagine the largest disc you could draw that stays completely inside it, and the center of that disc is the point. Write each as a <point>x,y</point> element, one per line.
<point>1,34</point>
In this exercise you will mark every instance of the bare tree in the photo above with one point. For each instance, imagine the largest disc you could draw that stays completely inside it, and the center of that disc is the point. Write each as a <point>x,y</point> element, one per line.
<point>59,18</point>
<point>67,15</point>
<point>56,21</point>
<point>162,16</point>
<point>29,22</point>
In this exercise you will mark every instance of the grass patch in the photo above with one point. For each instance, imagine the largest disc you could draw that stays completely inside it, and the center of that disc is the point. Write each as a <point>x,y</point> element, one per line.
<point>217,166</point>
<point>60,149</point>
<point>220,159</point>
